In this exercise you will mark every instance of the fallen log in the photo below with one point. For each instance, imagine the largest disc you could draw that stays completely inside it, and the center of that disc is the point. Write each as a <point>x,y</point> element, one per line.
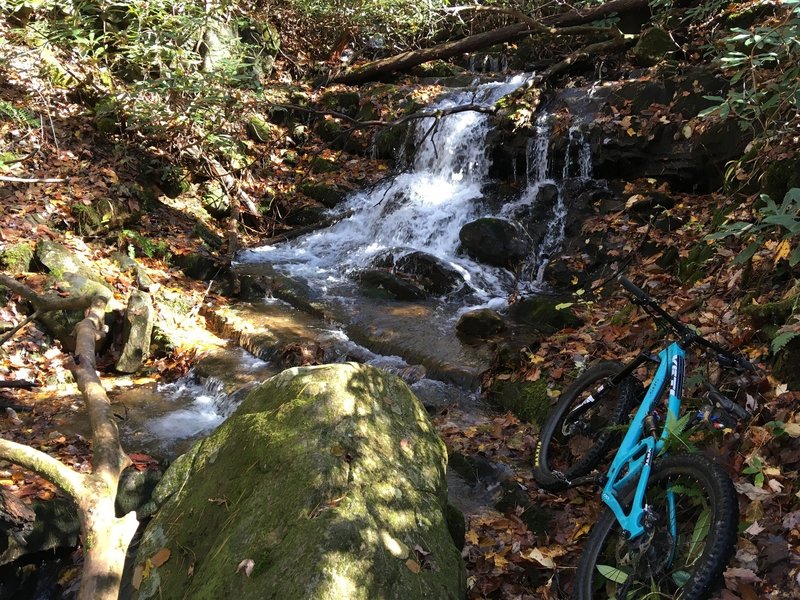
<point>298,231</point>
<point>554,25</point>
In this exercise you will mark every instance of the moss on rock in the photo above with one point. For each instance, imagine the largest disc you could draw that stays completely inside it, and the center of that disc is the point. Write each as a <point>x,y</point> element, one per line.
<point>327,478</point>
<point>16,258</point>
<point>526,399</point>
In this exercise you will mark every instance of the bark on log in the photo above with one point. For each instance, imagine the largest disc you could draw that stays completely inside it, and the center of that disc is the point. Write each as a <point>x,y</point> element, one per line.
<point>551,25</point>
<point>105,537</point>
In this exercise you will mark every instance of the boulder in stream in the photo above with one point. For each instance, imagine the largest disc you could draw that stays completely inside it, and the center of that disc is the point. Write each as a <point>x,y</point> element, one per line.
<point>494,241</point>
<point>482,323</point>
<point>328,482</point>
<point>546,314</point>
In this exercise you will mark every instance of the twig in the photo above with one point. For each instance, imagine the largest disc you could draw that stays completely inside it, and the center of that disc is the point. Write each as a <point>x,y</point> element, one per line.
<point>31,180</point>
<point>18,383</point>
<point>11,332</point>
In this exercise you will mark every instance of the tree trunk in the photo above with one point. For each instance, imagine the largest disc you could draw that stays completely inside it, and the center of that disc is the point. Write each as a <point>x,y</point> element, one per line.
<point>407,60</point>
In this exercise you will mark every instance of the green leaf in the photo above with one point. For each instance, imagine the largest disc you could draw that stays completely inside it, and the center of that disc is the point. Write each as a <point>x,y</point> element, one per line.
<point>701,528</point>
<point>681,578</point>
<point>747,253</point>
<point>782,339</point>
<point>759,480</point>
<point>563,305</point>
<point>612,574</point>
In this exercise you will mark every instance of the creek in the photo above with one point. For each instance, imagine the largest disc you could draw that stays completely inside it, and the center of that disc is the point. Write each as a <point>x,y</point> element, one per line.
<point>421,211</point>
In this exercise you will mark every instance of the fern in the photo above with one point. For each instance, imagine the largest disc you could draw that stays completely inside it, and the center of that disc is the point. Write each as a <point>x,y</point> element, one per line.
<point>18,115</point>
<point>782,339</point>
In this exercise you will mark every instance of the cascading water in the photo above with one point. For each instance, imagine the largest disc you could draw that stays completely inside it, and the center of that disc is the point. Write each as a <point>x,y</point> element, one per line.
<point>425,208</point>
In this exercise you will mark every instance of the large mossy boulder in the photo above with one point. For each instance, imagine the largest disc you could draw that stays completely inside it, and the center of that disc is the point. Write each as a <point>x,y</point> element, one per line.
<point>330,479</point>
<point>654,45</point>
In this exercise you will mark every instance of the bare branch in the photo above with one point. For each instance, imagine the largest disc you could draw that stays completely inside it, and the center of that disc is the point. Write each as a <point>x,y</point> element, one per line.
<point>30,180</point>
<point>44,464</point>
<point>44,303</point>
<point>109,458</point>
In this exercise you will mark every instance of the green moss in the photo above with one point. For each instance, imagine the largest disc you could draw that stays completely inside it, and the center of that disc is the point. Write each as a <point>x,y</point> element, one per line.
<point>258,129</point>
<point>312,478</point>
<point>774,313</point>
<point>526,399</point>
<point>16,258</point>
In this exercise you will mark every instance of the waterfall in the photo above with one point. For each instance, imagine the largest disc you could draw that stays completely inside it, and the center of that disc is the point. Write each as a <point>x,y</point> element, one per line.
<point>425,208</point>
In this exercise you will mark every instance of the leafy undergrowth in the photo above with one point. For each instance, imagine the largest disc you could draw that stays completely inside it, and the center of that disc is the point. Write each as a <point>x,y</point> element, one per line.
<point>505,558</point>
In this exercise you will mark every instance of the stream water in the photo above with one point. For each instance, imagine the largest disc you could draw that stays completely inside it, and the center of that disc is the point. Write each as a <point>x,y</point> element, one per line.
<point>421,209</point>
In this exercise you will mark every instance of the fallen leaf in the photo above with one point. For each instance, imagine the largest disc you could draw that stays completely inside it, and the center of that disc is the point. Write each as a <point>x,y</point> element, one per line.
<point>247,565</point>
<point>792,429</point>
<point>754,529</point>
<point>138,576</point>
<point>538,556</point>
<point>160,557</point>
<point>413,565</point>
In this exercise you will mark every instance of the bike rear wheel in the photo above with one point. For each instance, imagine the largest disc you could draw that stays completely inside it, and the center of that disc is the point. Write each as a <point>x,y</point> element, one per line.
<point>580,432</point>
<point>682,563</point>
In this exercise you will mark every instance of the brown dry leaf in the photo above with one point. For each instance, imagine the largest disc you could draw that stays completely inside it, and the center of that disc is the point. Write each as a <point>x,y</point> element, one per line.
<point>539,556</point>
<point>413,565</point>
<point>160,557</point>
<point>138,576</point>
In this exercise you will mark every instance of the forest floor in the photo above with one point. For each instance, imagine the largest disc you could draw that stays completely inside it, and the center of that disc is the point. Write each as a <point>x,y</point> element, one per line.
<point>504,558</point>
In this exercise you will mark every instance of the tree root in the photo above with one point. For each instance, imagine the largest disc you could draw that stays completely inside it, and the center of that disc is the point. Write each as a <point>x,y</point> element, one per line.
<point>105,537</point>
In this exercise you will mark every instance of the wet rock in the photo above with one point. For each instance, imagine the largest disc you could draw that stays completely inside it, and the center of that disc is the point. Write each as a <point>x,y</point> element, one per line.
<point>412,276</point>
<point>328,194</point>
<point>432,274</point>
<point>377,280</point>
<point>389,143</point>
<point>654,45</point>
<point>481,323</point>
<point>339,456</point>
<point>495,241</point>
<point>137,332</point>
<point>306,215</point>
<point>546,314</point>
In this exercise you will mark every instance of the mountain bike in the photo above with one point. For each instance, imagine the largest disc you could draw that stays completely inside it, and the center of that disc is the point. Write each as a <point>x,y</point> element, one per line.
<point>671,519</point>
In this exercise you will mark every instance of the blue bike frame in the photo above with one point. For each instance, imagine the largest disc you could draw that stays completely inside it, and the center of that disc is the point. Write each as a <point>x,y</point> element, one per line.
<point>634,458</point>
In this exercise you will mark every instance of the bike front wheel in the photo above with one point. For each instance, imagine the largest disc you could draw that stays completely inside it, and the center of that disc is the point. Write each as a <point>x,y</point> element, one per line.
<point>689,538</point>
<point>584,426</point>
